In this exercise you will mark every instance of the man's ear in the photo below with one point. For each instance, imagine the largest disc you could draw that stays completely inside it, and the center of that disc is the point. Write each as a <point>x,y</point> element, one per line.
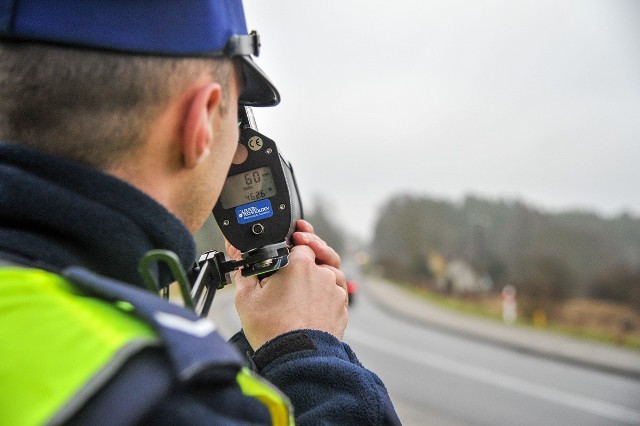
<point>197,132</point>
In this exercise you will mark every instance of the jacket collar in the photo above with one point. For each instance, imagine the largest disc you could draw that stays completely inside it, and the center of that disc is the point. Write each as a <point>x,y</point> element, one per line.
<point>64,213</point>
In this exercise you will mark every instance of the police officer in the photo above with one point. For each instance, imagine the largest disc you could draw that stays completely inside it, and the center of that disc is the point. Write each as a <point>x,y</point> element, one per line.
<point>118,122</point>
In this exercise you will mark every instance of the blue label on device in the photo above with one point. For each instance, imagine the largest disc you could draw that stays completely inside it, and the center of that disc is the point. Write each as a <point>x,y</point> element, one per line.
<point>251,212</point>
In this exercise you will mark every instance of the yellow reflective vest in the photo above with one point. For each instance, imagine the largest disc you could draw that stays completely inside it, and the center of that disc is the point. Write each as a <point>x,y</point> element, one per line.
<point>59,346</point>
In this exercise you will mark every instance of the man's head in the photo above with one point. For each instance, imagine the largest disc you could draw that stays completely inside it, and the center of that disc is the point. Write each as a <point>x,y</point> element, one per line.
<point>147,91</point>
<point>92,106</point>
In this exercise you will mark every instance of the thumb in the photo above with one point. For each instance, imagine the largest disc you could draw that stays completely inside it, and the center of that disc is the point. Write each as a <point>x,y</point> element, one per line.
<point>233,252</point>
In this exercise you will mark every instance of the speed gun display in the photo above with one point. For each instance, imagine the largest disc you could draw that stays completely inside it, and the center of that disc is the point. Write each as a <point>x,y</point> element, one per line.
<point>259,203</point>
<point>256,212</point>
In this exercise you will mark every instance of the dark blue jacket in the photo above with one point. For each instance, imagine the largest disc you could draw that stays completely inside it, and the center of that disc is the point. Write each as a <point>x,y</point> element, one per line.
<point>60,214</point>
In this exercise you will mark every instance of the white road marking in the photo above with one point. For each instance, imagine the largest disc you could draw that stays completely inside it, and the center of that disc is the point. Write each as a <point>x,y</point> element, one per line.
<point>583,403</point>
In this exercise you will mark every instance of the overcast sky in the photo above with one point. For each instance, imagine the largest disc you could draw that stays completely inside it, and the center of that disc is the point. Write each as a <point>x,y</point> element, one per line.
<point>537,100</point>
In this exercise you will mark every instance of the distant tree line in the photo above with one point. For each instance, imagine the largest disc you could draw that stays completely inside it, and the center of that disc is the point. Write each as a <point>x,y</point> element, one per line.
<point>548,257</point>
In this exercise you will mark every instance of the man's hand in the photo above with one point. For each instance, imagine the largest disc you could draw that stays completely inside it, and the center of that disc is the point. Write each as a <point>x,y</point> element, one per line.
<point>309,293</point>
<point>325,255</point>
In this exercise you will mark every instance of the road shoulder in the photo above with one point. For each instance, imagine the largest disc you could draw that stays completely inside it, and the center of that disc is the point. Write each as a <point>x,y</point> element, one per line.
<point>542,343</point>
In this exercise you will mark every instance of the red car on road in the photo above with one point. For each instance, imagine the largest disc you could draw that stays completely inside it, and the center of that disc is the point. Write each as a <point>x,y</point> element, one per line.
<point>352,289</point>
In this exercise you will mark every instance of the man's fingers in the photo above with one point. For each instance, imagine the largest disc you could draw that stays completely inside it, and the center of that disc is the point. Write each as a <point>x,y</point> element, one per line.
<point>304,226</point>
<point>341,280</point>
<point>324,254</point>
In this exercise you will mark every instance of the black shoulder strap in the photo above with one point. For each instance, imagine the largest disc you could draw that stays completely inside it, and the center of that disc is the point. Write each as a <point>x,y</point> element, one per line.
<point>192,342</point>
<point>143,382</point>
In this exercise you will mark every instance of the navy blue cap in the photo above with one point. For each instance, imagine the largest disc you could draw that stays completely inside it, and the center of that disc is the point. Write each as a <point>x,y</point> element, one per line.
<point>180,28</point>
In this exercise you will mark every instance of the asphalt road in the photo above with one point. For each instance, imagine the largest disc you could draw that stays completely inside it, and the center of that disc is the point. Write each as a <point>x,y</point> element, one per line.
<point>438,378</point>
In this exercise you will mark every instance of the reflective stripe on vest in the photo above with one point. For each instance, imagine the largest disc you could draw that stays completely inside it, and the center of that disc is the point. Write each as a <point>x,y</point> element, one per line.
<point>57,347</point>
<point>277,403</point>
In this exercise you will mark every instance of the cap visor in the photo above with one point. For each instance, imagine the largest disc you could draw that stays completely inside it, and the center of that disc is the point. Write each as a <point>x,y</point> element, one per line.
<point>258,90</point>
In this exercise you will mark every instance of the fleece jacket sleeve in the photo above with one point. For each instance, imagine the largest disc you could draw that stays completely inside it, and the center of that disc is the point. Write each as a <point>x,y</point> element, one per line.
<point>323,379</point>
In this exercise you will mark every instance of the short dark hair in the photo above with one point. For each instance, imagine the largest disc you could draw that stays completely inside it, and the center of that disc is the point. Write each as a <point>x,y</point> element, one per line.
<point>87,105</point>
